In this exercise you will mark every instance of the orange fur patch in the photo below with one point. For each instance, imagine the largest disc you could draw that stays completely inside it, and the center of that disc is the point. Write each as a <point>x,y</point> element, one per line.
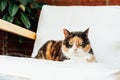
<point>91,59</point>
<point>64,48</point>
<point>48,51</point>
<point>87,48</point>
<point>77,40</point>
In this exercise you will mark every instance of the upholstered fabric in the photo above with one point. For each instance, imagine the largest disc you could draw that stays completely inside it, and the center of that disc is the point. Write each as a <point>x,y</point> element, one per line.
<point>103,22</point>
<point>33,69</point>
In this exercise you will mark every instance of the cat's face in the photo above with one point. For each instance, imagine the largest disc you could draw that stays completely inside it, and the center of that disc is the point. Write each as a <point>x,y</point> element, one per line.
<point>75,43</point>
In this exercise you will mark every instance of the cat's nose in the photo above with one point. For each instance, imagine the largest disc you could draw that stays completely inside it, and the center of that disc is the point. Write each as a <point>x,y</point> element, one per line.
<point>75,49</point>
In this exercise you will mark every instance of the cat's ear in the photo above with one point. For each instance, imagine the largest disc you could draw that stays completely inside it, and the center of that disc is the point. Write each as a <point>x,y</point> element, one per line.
<point>86,32</point>
<point>66,32</point>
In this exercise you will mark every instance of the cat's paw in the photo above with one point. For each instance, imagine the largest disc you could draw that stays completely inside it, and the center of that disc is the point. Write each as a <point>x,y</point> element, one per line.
<point>91,59</point>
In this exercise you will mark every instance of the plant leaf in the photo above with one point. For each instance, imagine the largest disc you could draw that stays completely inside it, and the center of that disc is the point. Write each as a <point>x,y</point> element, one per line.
<point>37,5</point>
<point>13,8</point>
<point>16,21</point>
<point>22,7</point>
<point>34,5</point>
<point>24,2</point>
<point>7,17</point>
<point>3,4</point>
<point>40,5</point>
<point>25,21</point>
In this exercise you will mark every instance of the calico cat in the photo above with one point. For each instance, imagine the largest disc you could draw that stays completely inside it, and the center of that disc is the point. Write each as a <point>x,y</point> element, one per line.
<point>76,46</point>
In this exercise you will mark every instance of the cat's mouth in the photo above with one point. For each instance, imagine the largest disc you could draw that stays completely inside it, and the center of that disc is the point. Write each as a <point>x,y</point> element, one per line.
<point>77,52</point>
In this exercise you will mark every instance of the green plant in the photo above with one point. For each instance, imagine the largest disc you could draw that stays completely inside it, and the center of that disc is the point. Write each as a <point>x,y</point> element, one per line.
<point>21,12</point>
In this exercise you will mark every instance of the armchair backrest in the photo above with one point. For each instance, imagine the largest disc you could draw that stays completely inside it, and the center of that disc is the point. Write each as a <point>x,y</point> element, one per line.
<point>103,22</point>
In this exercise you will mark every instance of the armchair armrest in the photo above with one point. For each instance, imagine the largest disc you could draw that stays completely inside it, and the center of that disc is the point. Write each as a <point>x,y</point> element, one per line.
<point>12,28</point>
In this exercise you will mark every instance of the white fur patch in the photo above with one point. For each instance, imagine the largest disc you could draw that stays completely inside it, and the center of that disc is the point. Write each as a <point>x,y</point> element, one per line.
<point>79,56</point>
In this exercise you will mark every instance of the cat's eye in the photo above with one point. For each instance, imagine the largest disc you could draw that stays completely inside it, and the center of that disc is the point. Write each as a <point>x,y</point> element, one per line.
<point>70,43</point>
<point>80,44</point>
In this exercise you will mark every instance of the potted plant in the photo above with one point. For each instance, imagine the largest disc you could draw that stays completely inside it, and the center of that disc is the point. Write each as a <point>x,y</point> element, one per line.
<point>21,12</point>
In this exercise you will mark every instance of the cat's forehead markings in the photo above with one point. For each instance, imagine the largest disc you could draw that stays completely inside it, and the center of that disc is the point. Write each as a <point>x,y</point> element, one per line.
<point>76,39</point>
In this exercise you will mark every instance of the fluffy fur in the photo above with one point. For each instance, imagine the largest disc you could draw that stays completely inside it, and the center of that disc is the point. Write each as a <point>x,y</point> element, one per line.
<point>76,47</point>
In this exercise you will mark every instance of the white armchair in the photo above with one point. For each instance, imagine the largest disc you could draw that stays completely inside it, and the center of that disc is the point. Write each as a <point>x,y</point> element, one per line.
<point>104,25</point>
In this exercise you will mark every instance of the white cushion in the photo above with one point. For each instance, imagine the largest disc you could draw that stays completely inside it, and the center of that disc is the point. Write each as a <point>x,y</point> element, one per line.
<point>103,22</point>
<point>33,69</point>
